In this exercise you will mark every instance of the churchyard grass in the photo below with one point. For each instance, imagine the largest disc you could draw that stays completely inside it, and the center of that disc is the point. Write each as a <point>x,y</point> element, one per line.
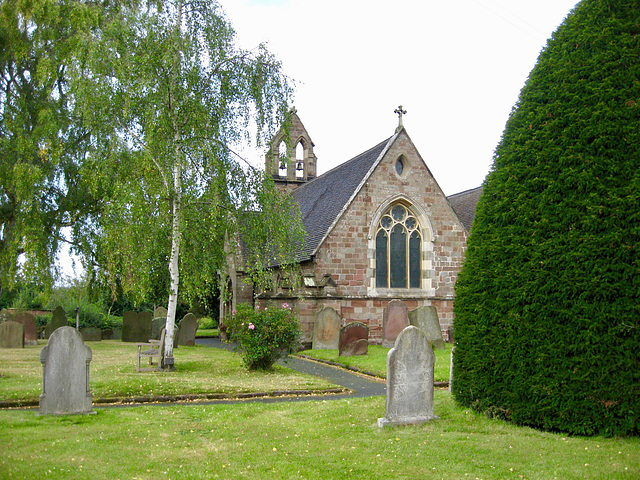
<point>199,370</point>
<point>375,361</point>
<point>317,439</point>
<point>207,332</point>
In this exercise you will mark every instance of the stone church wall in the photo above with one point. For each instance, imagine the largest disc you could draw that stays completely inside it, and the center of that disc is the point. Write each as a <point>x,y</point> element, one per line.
<point>348,257</point>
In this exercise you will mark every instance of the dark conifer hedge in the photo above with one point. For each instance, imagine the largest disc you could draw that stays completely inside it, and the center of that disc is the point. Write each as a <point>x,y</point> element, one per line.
<point>547,314</point>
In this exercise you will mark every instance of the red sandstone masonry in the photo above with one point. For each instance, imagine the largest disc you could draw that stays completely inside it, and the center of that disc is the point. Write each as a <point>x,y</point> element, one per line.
<point>345,252</point>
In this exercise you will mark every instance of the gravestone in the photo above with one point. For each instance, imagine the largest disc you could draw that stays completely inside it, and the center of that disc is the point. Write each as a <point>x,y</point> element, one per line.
<point>160,312</point>
<point>187,330</point>
<point>453,349</point>
<point>11,335</point>
<point>157,325</point>
<point>426,319</point>
<point>410,366</point>
<point>30,327</point>
<point>136,327</point>
<point>395,319</point>
<point>354,340</point>
<point>65,374</point>
<point>326,329</point>
<point>58,319</point>
<point>91,334</point>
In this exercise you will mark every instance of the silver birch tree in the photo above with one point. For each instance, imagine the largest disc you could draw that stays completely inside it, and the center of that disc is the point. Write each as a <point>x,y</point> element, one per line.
<point>166,92</point>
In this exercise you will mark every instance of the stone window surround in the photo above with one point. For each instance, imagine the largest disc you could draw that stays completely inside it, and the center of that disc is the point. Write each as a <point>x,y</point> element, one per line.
<point>428,237</point>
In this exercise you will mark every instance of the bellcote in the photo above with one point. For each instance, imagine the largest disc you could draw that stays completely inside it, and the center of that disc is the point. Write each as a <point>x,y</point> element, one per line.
<point>290,159</point>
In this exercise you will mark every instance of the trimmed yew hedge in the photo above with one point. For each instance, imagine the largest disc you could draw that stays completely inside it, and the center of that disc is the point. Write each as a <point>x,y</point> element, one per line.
<point>547,313</point>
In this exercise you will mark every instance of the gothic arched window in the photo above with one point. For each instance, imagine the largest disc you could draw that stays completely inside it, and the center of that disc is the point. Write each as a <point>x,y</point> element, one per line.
<point>398,249</point>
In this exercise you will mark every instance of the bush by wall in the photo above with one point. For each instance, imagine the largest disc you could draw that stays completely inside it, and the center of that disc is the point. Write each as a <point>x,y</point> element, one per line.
<point>264,335</point>
<point>547,315</point>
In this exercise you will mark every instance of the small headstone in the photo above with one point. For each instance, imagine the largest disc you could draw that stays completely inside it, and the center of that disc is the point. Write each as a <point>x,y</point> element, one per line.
<point>426,319</point>
<point>395,319</point>
<point>136,327</point>
<point>58,319</point>
<point>410,366</point>
<point>326,329</point>
<point>91,334</point>
<point>160,312</point>
<point>107,334</point>
<point>30,327</point>
<point>65,374</point>
<point>354,340</point>
<point>187,331</point>
<point>11,335</point>
<point>157,325</point>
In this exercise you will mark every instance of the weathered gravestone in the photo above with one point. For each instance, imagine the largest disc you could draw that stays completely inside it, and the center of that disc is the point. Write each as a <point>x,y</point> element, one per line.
<point>157,325</point>
<point>426,319</point>
<point>187,330</point>
<point>65,374</point>
<point>354,340</point>
<point>91,334</point>
<point>160,312</point>
<point>136,327</point>
<point>11,335</point>
<point>58,319</point>
<point>395,319</point>
<point>30,326</point>
<point>326,329</point>
<point>451,370</point>
<point>410,366</point>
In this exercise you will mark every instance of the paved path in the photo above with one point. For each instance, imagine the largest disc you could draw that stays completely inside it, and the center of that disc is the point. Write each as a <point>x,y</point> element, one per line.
<point>360,385</point>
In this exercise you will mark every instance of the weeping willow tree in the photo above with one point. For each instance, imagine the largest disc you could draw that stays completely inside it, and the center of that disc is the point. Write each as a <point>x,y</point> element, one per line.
<point>166,91</point>
<point>547,311</point>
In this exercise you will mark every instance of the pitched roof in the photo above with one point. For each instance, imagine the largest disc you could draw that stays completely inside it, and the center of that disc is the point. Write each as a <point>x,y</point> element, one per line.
<point>464,204</point>
<point>323,199</point>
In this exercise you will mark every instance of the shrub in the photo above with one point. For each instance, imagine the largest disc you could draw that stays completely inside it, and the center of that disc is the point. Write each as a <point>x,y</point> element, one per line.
<point>546,312</point>
<point>264,335</point>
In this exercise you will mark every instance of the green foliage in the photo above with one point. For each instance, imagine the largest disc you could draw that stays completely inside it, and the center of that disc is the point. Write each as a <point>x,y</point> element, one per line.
<point>547,311</point>
<point>264,335</point>
<point>41,143</point>
<point>166,93</point>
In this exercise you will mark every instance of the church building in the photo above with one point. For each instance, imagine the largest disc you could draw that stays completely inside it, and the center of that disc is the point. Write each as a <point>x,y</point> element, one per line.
<point>378,228</point>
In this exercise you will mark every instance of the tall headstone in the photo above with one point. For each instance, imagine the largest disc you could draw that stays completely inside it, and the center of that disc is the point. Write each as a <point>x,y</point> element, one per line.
<point>426,319</point>
<point>395,319</point>
<point>65,374</point>
<point>136,327</point>
<point>30,327</point>
<point>11,335</point>
<point>326,329</point>
<point>187,331</point>
<point>58,319</point>
<point>410,366</point>
<point>354,340</point>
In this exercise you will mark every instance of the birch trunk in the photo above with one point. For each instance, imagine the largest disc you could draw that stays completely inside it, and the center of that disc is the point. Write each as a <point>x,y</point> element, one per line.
<point>174,271</point>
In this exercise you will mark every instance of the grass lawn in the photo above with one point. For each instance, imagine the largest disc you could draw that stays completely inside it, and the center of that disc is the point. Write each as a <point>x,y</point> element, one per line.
<point>207,332</point>
<point>316,439</point>
<point>200,370</point>
<point>376,361</point>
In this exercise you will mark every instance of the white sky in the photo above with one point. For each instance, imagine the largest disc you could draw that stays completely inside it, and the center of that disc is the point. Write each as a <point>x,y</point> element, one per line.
<point>456,66</point>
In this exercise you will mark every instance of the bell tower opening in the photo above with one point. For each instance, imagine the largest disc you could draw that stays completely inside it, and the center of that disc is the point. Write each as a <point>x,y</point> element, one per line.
<point>290,160</point>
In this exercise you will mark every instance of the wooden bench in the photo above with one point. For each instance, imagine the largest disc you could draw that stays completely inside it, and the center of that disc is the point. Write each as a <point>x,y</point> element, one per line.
<point>156,350</point>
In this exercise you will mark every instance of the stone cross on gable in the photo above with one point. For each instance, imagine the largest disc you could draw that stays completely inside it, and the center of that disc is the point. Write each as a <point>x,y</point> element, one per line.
<point>400,112</point>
